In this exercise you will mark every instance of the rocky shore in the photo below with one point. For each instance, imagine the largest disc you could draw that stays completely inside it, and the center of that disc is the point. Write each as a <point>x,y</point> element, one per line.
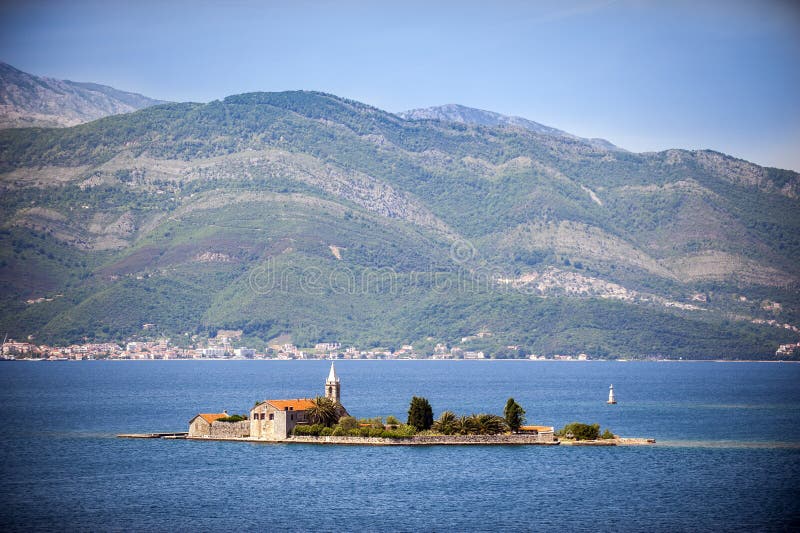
<point>440,440</point>
<point>617,441</point>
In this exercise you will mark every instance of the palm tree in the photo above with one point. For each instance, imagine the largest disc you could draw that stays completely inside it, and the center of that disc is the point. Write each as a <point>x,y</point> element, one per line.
<point>493,424</point>
<point>486,424</point>
<point>463,425</point>
<point>323,411</point>
<point>447,423</point>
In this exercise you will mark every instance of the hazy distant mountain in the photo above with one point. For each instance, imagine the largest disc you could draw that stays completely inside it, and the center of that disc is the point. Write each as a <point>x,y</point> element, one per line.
<point>28,100</point>
<point>324,219</point>
<point>469,115</point>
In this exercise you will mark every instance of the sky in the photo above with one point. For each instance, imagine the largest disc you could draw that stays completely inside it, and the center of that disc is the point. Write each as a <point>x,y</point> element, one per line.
<point>647,75</point>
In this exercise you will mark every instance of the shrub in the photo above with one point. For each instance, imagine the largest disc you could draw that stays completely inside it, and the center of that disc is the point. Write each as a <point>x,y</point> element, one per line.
<point>579,431</point>
<point>403,431</point>
<point>392,421</point>
<point>366,432</point>
<point>338,432</point>
<point>607,435</point>
<point>308,431</point>
<point>326,432</point>
<point>393,434</point>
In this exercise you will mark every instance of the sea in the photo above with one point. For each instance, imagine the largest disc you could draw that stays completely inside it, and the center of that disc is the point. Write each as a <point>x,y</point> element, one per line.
<point>727,456</point>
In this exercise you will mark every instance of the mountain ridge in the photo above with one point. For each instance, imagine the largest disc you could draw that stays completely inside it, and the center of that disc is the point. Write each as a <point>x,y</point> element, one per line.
<point>469,115</point>
<point>27,100</point>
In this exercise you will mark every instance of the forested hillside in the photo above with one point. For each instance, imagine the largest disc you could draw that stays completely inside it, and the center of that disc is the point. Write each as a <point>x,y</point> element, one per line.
<point>306,214</point>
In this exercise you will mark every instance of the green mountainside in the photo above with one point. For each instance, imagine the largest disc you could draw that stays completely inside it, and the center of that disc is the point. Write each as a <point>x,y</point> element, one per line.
<point>306,214</point>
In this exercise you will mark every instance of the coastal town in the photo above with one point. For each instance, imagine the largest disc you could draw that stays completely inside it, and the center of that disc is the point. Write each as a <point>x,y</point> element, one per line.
<point>227,345</point>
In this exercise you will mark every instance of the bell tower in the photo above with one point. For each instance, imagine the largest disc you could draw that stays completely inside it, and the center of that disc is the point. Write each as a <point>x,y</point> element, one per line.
<point>332,386</point>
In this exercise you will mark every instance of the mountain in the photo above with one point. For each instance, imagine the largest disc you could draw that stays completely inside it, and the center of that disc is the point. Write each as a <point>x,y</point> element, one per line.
<point>27,100</point>
<point>324,219</point>
<point>469,115</point>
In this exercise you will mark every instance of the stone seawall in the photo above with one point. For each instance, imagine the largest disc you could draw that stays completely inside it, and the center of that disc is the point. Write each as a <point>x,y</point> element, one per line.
<point>430,440</point>
<point>225,430</point>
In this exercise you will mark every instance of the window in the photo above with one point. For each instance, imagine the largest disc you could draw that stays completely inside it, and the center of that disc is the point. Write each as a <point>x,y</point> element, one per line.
<point>272,416</point>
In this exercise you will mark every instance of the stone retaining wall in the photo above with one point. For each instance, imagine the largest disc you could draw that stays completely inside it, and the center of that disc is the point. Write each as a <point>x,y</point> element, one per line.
<point>429,440</point>
<point>230,429</point>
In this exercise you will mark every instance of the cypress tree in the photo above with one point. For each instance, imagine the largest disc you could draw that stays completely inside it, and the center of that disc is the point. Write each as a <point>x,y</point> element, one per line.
<point>514,415</point>
<point>420,414</point>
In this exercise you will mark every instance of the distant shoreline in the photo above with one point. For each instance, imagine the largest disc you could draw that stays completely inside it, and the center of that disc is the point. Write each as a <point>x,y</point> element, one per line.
<point>31,360</point>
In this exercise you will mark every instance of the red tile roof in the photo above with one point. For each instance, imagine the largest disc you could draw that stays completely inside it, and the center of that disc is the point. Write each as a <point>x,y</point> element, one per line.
<point>301,404</point>
<point>210,417</point>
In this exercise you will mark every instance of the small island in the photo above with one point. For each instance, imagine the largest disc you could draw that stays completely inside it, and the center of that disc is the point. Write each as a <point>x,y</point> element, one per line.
<point>324,420</point>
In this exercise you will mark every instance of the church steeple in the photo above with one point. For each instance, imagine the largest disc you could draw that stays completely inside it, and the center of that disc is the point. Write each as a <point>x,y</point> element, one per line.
<point>332,386</point>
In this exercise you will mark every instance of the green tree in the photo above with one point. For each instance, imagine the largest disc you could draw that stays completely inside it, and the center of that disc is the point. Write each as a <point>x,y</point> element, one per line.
<point>323,411</point>
<point>347,423</point>
<point>514,415</point>
<point>420,414</point>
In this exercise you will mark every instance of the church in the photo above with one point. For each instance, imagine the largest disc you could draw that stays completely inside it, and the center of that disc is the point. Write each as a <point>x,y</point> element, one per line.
<point>275,419</point>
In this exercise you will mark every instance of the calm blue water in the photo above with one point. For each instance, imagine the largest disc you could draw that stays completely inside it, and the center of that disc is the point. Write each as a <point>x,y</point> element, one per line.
<point>730,458</point>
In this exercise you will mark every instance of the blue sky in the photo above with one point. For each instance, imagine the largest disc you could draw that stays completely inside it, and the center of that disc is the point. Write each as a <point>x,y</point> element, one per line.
<point>647,75</point>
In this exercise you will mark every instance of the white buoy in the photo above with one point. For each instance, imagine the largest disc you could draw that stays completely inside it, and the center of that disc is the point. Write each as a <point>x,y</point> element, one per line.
<point>611,399</point>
